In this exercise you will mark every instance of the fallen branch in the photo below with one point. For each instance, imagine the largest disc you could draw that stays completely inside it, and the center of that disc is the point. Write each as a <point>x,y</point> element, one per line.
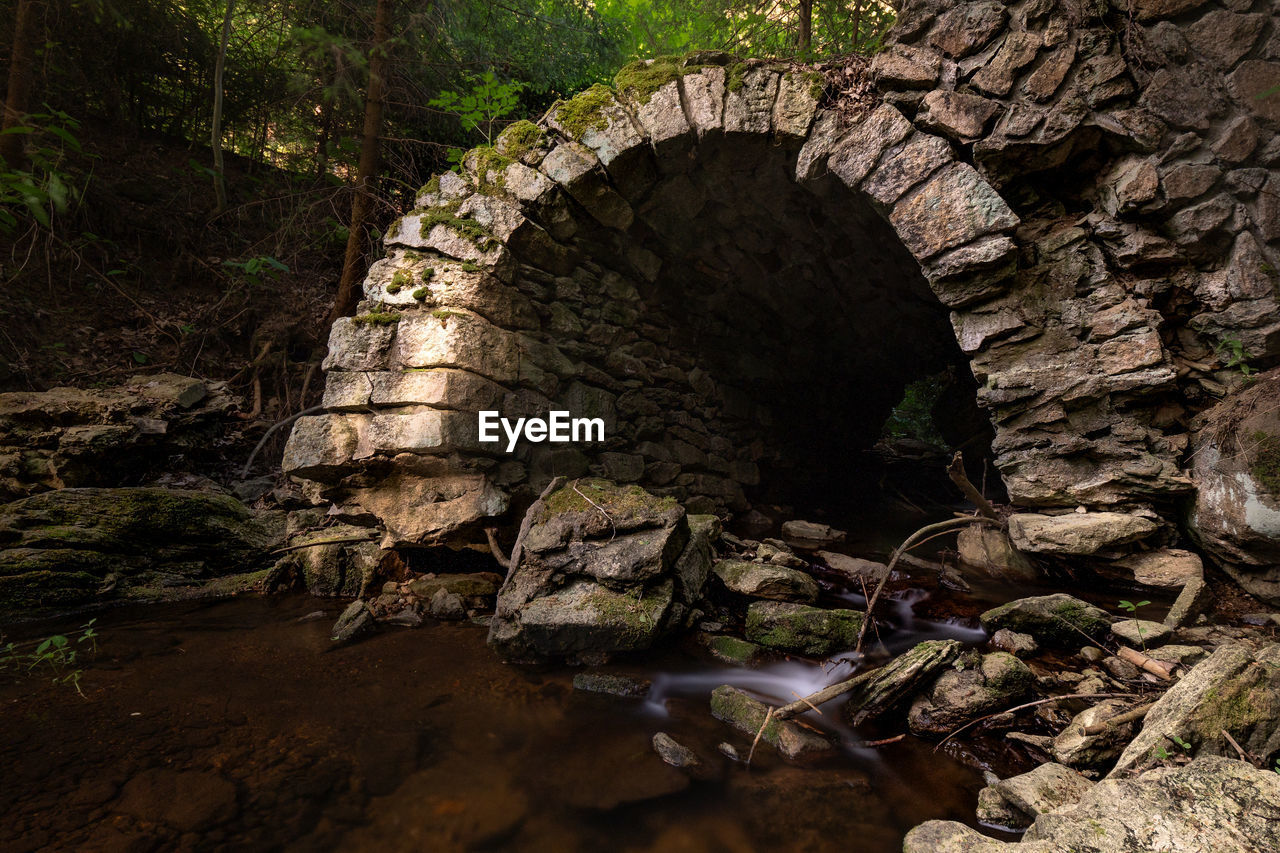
<point>826,694</point>
<point>1132,715</point>
<point>1034,704</point>
<point>767,717</point>
<point>884,741</point>
<point>517,550</point>
<point>344,540</point>
<point>956,472</point>
<point>491,533</point>
<point>912,541</point>
<point>606,515</point>
<point>244,473</point>
<point>1158,668</point>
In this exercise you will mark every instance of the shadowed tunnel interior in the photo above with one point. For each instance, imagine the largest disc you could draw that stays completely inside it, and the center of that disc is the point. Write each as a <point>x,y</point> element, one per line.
<point>796,315</point>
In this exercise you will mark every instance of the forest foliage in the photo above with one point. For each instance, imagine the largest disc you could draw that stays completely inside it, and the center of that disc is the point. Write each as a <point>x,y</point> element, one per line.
<point>91,82</point>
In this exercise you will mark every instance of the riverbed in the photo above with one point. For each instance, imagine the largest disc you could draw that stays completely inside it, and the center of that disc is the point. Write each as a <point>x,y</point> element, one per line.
<point>234,725</point>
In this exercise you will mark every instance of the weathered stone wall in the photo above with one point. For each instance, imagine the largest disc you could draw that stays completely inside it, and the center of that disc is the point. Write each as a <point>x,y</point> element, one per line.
<point>1084,195</point>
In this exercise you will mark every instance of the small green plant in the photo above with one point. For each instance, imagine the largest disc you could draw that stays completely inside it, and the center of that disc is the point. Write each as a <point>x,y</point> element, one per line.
<point>1132,608</point>
<point>1232,351</point>
<point>1184,745</point>
<point>56,655</point>
<point>1161,753</point>
<point>258,271</point>
<point>44,189</point>
<point>489,100</point>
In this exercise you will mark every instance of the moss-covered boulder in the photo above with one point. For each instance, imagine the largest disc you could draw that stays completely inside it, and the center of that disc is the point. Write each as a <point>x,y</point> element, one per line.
<point>328,562</point>
<point>1058,619</point>
<point>605,568</point>
<point>733,650</point>
<point>747,715</point>
<point>75,546</point>
<point>973,688</point>
<point>802,629</point>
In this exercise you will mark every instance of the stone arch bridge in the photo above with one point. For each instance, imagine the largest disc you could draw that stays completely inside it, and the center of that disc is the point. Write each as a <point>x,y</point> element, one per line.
<point>739,265</point>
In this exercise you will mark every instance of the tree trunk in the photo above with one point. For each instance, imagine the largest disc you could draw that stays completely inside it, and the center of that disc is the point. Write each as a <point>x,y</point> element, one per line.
<point>20,67</point>
<point>219,176</point>
<point>353,263</point>
<point>805,39</point>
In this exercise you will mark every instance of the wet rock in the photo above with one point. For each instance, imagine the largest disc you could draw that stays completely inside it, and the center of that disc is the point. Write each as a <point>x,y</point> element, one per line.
<point>329,568</point>
<point>1048,787</point>
<point>1183,655</point>
<point>1057,619</point>
<point>1077,533</point>
<point>355,621</point>
<point>625,686</point>
<point>810,534</point>
<point>747,715</point>
<point>779,553</point>
<point>854,568</point>
<point>802,629</point>
<point>1075,747</point>
<point>1018,645</point>
<point>474,585</point>
<point>1194,599</point>
<point>994,810</point>
<point>992,683</point>
<point>991,551</point>
<point>734,650</point>
<point>59,548</point>
<point>761,580</point>
<point>447,606</point>
<point>1120,669</point>
<point>1093,654</point>
<point>675,753</point>
<point>1210,804</point>
<point>1235,690</point>
<point>890,685</point>
<point>599,575</point>
<point>1141,633</point>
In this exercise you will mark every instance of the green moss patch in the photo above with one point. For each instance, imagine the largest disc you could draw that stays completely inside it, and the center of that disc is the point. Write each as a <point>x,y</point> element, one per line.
<point>489,167</point>
<point>585,111</point>
<point>447,215</point>
<point>618,501</point>
<point>378,318</point>
<point>1266,461</point>
<point>519,139</point>
<point>399,281</point>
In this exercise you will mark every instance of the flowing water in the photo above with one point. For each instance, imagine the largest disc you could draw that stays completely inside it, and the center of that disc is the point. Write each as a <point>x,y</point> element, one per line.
<point>235,726</point>
<point>238,726</point>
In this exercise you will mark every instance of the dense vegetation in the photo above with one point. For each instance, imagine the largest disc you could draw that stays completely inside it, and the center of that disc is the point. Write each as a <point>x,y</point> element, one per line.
<point>154,219</point>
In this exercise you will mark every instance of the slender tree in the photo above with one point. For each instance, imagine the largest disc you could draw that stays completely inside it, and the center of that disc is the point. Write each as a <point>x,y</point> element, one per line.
<point>805,37</point>
<point>219,176</point>
<point>17,103</point>
<point>357,238</point>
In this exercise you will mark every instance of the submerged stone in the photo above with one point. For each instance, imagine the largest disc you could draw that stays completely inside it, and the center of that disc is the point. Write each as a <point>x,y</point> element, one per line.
<point>747,715</point>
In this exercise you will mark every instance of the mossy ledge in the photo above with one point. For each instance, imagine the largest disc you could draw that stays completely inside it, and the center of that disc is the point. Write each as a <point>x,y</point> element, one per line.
<point>378,318</point>
<point>447,215</point>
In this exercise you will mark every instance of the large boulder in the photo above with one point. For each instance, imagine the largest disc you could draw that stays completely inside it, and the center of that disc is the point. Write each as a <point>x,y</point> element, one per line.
<point>1058,619</point>
<point>1235,461</point>
<point>1077,533</point>
<point>1212,804</point>
<point>1235,690</point>
<point>605,569</point>
<point>72,546</point>
<point>959,696</point>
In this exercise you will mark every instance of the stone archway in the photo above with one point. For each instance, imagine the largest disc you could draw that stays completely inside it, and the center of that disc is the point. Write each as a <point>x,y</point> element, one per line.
<point>721,270</point>
<point>1094,222</point>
